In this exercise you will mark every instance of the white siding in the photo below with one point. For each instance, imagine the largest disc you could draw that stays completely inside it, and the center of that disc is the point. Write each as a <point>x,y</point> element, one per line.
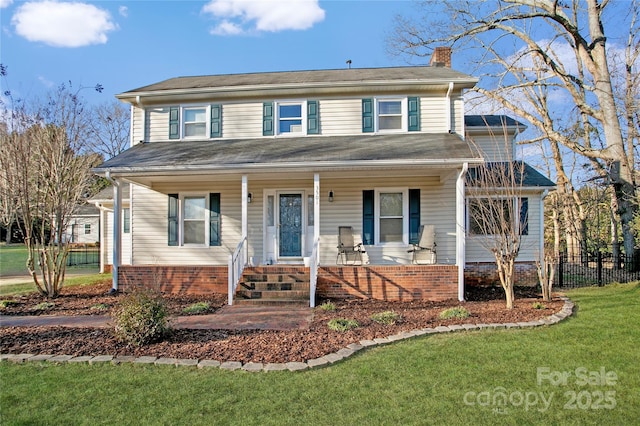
<point>108,244</point>
<point>340,116</point>
<point>137,123</point>
<point>157,124</point>
<point>242,120</point>
<point>433,114</point>
<point>457,114</point>
<point>497,147</point>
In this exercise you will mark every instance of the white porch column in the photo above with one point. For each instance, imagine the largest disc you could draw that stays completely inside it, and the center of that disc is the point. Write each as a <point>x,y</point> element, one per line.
<point>117,231</point>
<point>316,211</point>
<point>460,230</point>
<point>245,215</point>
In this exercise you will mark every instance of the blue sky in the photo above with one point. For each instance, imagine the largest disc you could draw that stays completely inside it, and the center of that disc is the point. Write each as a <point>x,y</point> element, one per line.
<point>123,45</point>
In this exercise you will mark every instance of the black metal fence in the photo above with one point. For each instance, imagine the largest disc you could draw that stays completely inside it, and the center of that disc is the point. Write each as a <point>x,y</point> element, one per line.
<point>83,256</point>
<point>598,269</point>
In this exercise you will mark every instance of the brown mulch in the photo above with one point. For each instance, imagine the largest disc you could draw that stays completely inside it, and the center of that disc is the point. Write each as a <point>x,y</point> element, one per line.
<point>485,305</point>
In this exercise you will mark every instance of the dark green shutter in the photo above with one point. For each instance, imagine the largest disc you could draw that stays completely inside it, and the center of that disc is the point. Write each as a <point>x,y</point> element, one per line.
<point>267,119</point>
<point>216,121</point>
<point>524,216</point>
<point>368,217</point>
<point>173,220</point>
<point>414,216</point>
<point>313,124</point>
<point>174,123</point>
<point>214,219</point>
<point>414,113</point>
<point>367,116</point>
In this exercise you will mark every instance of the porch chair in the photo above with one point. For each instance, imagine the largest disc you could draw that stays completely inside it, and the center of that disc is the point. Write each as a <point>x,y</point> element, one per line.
<point>348,251</point>
<point>425,250</point>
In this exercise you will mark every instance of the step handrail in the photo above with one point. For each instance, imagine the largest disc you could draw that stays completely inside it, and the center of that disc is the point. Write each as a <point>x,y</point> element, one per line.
<point>313,272</point>
<point>237,263</point>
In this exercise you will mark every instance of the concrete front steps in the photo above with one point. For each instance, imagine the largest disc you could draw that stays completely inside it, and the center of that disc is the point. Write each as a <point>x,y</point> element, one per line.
<point>274,285</point>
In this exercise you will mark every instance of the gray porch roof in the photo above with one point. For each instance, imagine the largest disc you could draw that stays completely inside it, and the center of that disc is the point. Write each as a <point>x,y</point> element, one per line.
<point>304,152</point>
<point>526,176</point>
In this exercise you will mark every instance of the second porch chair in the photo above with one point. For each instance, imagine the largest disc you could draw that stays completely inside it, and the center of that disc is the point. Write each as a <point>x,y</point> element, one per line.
<point>425,250</point>
<point>348,251</point>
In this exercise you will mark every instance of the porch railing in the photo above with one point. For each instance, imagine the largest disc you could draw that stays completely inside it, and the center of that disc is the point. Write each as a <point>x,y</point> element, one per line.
<point>313,273</point>
<point>237,262</point>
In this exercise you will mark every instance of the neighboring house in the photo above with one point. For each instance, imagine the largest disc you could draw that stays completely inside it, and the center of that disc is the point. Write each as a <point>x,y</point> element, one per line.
<point>234,178</point>
<point>103,201</point>
<point>84,226</point>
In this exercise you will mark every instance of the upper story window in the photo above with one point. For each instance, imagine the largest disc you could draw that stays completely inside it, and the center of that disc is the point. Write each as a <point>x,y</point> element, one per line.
<point>195,122</point>
<point>290,118</point>
<point>388,115</point>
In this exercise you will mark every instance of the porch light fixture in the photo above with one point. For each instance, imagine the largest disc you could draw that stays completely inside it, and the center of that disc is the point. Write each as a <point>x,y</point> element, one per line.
<point>249,197</point>
<point>331,196</point>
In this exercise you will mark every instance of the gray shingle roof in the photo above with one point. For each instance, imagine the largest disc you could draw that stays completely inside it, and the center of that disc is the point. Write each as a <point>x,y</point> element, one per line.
<point>530,177</point>
<point>325,77</point>
<point>491,121</point>
<point>107,193</point>
<point>227,154</point>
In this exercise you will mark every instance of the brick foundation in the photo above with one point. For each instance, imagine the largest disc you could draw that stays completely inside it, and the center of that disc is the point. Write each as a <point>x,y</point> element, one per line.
<point>175,279</point>
<point>485,274</point>
<point>397,283</point>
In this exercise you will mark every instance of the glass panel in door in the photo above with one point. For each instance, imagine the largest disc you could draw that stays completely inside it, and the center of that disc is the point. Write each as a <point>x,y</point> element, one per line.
<point>290,236</point>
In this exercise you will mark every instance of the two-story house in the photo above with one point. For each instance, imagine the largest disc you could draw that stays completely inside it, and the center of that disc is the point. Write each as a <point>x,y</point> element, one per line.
<point>236,179</point>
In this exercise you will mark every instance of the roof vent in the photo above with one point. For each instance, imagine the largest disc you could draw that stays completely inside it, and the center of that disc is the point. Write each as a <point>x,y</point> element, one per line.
<point>349,63</point>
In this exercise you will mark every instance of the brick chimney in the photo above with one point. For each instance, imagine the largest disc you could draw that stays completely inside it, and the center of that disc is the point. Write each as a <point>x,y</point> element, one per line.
<point>441,57</point>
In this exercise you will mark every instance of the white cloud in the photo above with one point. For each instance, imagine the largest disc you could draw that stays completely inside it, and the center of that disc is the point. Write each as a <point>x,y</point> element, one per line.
<point>123,11</point>
<point>5,3</point>
<point>239,16</point>
<point>63,24</point>
<point>45,82</point>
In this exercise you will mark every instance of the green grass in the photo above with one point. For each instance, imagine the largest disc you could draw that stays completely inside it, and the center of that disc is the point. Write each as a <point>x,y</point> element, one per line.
<point>30,287</point>
<point>13,259</point>
<point>424,380</point>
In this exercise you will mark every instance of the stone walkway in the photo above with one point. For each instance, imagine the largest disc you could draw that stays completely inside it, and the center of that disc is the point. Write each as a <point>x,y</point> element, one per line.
<point>328,359</point>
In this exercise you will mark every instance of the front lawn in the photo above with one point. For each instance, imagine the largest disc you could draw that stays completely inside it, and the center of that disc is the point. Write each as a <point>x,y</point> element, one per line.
<point>13,261</point>
<point>585,370</point>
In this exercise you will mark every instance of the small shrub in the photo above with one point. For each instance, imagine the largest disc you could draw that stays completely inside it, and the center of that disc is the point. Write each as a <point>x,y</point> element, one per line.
<point>100,307</point>
<point>6,303</point>
<point>197,308</point>
<point>141,318</point>
<point>342,324</point>
<point>386,317</point>
<point>454,313</point>
<point>44,306</point>
<point>538,305</point>
<point>328,306</point>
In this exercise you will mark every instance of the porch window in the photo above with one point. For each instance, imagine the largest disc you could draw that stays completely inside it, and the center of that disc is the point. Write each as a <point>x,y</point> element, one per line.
<point>194,220</point>
<point>392,218</point>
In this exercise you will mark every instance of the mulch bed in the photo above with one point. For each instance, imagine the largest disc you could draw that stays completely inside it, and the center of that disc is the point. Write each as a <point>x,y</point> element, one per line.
<point>265,346</point>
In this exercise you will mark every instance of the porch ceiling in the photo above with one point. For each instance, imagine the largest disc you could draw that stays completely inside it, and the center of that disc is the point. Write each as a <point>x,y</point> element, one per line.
<point>407,153</point>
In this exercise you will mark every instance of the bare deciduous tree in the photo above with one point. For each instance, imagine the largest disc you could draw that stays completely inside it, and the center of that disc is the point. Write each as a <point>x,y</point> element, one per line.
<point>109,129</point>
<point>43,152</point>
<point>497,216</point>
<point>527,46</point>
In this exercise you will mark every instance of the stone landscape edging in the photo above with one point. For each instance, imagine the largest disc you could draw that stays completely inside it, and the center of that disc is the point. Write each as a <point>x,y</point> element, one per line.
<point>331,358</point>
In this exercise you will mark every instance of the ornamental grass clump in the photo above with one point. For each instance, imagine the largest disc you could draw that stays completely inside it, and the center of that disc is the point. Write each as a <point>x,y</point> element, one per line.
<point>386,317</point>
<point>197,308</point>
<point>342,324</point>
<point>141,318</point>
<point>454,313</point>
<point>328,306</point>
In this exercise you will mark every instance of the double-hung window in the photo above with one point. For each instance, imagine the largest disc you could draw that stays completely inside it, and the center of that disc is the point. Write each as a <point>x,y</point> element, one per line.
<point>194,220</point>
<point>391,115</point>
<point>392,218</point>
<point>291,118</point>
<point>194,122</point>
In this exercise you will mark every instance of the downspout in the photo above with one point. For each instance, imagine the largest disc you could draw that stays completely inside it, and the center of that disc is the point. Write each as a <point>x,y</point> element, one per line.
<point>448,100</point>
<point>461,236</point>
<point>143,125</point>
<point>117,244</point>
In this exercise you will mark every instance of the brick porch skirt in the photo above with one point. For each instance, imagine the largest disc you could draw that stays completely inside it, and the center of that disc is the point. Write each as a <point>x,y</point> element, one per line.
<point>485,274</point>
<point>406,282</point>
